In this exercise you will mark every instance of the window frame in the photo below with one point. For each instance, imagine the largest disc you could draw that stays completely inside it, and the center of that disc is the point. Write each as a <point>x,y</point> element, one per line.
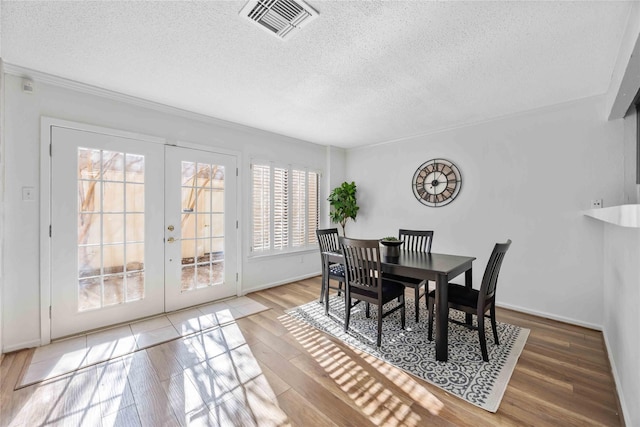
<point>310,241</point>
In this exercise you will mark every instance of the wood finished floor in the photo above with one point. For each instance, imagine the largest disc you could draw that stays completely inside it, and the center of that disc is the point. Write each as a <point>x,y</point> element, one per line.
<point>272,371</point>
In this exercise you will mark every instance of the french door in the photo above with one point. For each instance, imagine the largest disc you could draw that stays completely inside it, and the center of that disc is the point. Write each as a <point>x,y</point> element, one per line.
<point>136,231</point>
<point>201,227</point>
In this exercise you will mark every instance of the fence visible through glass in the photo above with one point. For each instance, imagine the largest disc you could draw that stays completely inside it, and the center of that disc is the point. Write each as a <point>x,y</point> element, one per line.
<point>110,228</point>
<point>202,225</point>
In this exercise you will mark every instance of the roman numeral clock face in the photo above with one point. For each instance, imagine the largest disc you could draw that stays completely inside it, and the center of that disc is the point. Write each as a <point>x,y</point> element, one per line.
<point>436,182</point>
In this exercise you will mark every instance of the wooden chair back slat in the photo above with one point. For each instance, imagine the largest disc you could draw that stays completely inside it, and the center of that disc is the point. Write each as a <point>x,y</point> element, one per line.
<point>416,240</point>
<point>328,240</point>
<point>363,269</point>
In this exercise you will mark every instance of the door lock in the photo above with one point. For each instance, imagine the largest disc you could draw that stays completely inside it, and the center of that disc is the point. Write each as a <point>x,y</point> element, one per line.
<point>170,228</point>
<point>171,240</point>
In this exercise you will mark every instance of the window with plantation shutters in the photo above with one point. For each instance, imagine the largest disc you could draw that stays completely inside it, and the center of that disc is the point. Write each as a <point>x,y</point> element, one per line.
<point>261,205</point>
<point>280,208</point>
<point>298,217</point>
<point>285,208</point>
<point>312,207</point>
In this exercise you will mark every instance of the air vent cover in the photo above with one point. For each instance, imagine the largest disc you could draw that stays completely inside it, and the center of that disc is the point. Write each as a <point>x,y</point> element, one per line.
<point>279,17</point>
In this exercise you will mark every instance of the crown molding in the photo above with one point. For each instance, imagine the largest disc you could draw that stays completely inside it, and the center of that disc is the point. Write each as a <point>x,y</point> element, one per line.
<point>523,113</point>
<point>42,77</point>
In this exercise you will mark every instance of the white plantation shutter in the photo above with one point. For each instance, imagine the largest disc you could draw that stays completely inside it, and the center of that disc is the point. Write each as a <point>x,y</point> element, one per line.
<point>298,218</point>
<point>261,204</point>
<point>280,208</point>
<point>312,208</point>
<point>285,208</point>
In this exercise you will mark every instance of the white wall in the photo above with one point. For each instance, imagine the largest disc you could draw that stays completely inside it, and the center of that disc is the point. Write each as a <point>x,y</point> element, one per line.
<point>21,304</point>
<point>334,176</point>
<point>525,177</point>
<point>621,314</point>
<point>1,193</point>
<point>622,245</point>
<point>622,290</point>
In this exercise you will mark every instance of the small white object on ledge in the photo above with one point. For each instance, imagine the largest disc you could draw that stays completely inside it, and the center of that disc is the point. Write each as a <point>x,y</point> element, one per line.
<point>622,215</point>
<point>27,86</point>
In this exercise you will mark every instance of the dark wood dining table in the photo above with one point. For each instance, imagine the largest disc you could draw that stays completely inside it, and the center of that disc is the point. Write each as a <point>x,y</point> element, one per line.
<point>440,268</point>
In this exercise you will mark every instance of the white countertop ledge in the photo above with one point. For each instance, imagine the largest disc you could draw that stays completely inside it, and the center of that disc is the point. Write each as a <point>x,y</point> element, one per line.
<point>622,215</point>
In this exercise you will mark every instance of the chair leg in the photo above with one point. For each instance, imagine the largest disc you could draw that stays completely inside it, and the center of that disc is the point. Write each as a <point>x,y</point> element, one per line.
<point>492,312</point>
<point>402,312</point>
<point>430,304</point>
<point>417,303</point>
<point>322,291</point>
<point>347,307</point>
<point>326,302</point>
<point>483,339</point>
<point>379,340</point>
<point>367,310</point>
<point>339,288</point>
<point>426,295</point>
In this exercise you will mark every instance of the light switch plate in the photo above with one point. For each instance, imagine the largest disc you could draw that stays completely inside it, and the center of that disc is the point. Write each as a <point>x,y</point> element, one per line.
<point>28,193</point>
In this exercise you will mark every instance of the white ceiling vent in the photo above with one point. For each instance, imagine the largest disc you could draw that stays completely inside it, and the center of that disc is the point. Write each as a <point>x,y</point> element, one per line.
<point>279,17</point>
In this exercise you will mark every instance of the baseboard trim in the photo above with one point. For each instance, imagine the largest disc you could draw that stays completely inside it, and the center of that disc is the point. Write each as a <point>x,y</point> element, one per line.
<point>551,316</point>
<point>22,346</point>
<point>616,379</point>
<point>280,282</point>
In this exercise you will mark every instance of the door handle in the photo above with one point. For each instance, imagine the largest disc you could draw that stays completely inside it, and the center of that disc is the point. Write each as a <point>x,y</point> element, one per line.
<point>170,228</point>
<point>171,240</point>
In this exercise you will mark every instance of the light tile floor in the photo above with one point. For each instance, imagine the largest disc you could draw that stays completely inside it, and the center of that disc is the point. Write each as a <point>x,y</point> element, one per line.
<point>67,355</point>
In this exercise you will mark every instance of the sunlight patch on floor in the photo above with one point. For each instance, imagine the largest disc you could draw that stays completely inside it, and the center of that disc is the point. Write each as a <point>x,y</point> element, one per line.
<point>64,356</point>
<point>349,371</point>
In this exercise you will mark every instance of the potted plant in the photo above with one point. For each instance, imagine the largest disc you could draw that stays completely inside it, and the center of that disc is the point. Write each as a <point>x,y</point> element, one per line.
<point>343,204</point>
<point>390,247</point>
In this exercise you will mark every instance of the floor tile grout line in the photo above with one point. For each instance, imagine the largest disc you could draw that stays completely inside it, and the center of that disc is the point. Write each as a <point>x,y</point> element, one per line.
<point>165,315</point>
<point>219,325</point>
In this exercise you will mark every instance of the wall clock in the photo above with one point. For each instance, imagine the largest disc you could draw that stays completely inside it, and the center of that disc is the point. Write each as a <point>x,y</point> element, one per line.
<point>436,182</point>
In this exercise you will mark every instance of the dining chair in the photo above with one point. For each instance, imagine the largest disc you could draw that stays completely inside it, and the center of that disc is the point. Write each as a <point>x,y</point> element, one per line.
<point>365,282</point>
<point>328,241</point>
<point>414,240</point>
<point>476,302</point>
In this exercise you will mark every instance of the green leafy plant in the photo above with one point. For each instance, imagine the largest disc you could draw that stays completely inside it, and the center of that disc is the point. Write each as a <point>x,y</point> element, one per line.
<point>343,204</point>
<point>390,245</point>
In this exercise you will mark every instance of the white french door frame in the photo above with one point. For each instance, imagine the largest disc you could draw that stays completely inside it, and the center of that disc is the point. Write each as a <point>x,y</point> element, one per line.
<point>239,213</point>
<point>46,124</point>
<point>238,185</point>
<point>238,196</point>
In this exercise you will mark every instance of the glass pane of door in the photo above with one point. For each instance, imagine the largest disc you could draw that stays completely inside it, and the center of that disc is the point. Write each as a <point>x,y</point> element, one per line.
<point>110,229</point>
<point>200,228</point>
<point>202,224</point>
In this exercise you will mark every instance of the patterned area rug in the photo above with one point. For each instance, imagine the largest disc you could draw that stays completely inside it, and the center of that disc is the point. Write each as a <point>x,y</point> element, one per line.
<point>464,375</point>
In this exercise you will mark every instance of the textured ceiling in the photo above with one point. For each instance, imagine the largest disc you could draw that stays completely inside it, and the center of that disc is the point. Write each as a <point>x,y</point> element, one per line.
<point>363,72</point>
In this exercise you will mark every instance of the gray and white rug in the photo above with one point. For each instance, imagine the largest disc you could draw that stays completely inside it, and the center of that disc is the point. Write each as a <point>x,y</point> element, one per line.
<point>464,375</point>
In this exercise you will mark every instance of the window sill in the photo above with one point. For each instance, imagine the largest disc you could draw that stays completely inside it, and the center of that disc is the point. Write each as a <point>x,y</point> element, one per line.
<point>283,254</point>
